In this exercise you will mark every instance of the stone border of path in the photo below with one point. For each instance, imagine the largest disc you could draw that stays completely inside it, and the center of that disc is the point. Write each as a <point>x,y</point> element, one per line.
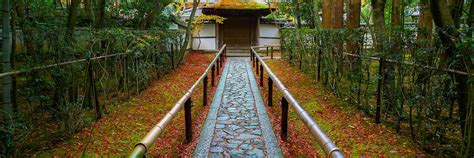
<point>202,148</point>
<point>271,142</point>
<point>205,138</point>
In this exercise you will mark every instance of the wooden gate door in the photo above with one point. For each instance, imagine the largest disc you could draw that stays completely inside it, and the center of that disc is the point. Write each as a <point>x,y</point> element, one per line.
<point>239,32</point>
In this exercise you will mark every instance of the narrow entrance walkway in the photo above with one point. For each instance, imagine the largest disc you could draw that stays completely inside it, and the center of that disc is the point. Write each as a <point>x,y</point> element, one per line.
<point>237,124</point>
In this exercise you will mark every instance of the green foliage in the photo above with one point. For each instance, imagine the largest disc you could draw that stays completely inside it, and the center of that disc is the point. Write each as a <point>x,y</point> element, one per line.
<point>60,91</point>
<point>303,10</point>
<point>53,103</point>
<point>425,97</point>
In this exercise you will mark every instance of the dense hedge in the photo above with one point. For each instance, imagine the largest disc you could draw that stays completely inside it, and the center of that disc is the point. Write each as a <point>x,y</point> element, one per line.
<point>54,103</point>
<point>415,95</point>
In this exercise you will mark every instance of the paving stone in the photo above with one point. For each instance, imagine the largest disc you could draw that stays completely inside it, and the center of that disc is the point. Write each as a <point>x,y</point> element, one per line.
<point>234,141</point>
<point>236,153</point>
<point>244,136</point>
<point>234,127</point>
<point>217,149</point>
<point>257,132</point>
<point>251,127</point>
<point>223,118</point>
<point>215,155</point>
<point>230,132</point>
<point>246,146</point>
<point>240,130</point>
<point>231,145</point>
<point>237,131</point>
<point>256,152</point>
<point>218,126</point>
<point>213,143</point>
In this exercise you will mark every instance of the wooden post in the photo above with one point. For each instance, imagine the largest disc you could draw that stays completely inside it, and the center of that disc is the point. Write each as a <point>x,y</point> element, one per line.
<point>271,54</point>
<point>284,119</point>
<point>6,67</point>
<point>221,58</point>
<point>379,90</point>
<point>267,50</point>
<point>251,55</point>
<point>261,75</point>
<point>256,66</point>
<point>270,91</point>
<point>255,60</point>
<point>94,91</point>
<point>319,65</point>
<point>213,72</point>
<point>187,120</point>
<point>218,67</point>
<point>204,93</point>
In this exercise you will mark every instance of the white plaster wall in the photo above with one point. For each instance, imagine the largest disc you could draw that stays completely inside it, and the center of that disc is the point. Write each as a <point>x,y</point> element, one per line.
<point>208,30</point>
<point>262,41</point>
<point>208,44</point>
<point>269,30</point>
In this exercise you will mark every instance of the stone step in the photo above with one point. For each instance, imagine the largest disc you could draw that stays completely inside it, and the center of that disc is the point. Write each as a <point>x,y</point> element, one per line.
<point>232,52</point>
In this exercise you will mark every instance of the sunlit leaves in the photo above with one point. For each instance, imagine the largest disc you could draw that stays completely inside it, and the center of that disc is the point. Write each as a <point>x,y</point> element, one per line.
<point>199,22</point>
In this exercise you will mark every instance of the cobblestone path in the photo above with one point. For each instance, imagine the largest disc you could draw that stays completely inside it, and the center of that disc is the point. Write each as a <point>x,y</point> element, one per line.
<point>237,124</point>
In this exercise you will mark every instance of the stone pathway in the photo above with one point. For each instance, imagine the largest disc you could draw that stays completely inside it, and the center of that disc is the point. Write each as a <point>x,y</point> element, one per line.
<point>237,124</point>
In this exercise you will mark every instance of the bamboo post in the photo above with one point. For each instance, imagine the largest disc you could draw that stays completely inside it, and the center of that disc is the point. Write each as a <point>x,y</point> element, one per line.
<point>257,67</point>
<point>284,119</point>
<point>218,67</point>
<point>188,121</point>
<point>204,93</point>
<point>6,67</point>
<point>261,75</point>
<point>6,53</point>
<point>251,56</point>
<point>213,75</point>
<point>270,91</point>
<point>267,50</point>
<point>379,90</point>
<point>271,53</point>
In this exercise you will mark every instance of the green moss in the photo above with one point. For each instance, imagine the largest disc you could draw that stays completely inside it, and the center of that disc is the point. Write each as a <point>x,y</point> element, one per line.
<point>241,6</point>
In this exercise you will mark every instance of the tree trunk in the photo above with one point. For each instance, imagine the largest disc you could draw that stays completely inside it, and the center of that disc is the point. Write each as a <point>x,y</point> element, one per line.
<point>7,80</point>
<point>101,15</point>
<point>378,7</point>
<point>395,54</point>
<point>353,22</point>
<point>450,38</point>
<point>327,13</point>
<point>338,14</point>
<point>396,26</point>
<point>88,9</point>
<point>30,45</point>
<point>470,20</point>
<point>145,23</point>
<point>391,90</point>
<point>13,52</point>
<point>425,25</point>
<point>469,132</point>
<point>182,51</point>
<point>298,16</point>
<point>316,17</point>
<point>6,58</point>
<point>71,19</point>
<point>353,45</point>
<point>456,7</point>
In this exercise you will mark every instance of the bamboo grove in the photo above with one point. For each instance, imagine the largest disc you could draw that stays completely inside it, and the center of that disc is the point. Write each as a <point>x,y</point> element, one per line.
<point>70,60</point>
<point>406,63</point>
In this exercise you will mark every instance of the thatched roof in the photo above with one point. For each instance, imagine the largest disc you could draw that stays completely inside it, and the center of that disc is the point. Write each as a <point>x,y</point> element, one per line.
<point>238,9</point>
